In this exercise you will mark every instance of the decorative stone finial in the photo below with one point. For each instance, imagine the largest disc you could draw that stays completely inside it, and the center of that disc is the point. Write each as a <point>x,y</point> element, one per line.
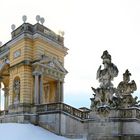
<point>42,20</point>
<point>13,27</point>
<point>38,18</point>
<point>24,18</point>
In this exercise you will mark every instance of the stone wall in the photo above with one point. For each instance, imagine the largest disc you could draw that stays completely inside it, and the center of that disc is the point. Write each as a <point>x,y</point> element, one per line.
<point>112,126</point>
<point>62,119</point>
<point>62,124</point>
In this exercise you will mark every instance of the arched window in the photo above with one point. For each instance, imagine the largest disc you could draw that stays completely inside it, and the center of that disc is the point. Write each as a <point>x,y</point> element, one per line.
<point>16,90</point>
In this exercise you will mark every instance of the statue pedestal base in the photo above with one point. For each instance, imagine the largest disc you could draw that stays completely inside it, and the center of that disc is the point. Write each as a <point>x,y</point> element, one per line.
<point>117,124</point>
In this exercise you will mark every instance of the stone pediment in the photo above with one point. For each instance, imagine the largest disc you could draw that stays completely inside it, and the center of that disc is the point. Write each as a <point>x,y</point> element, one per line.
<point>51,63</point>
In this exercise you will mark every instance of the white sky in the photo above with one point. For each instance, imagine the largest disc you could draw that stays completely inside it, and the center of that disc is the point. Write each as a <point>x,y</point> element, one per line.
<point>91,26</point>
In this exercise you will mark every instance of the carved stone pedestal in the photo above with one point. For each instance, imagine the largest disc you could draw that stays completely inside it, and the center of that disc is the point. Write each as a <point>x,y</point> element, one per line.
<point>121,124</point>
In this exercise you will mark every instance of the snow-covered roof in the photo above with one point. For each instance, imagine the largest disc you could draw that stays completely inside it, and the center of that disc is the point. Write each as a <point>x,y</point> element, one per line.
<point>16,131</point>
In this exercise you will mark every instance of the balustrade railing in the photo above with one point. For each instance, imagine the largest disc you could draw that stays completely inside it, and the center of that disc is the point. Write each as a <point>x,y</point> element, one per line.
<point>62,107</point>
<point>3,112</point>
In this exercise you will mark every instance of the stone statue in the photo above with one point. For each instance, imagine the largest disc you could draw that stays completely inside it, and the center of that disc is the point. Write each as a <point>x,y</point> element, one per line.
<point>107,74</point>
<point>126,87</point>
<point>16,90</point>
<point>104,93</point>
<point>125,90</point>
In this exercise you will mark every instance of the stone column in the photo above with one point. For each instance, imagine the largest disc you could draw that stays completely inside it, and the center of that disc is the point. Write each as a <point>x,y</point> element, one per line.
<point>36,87</point>
<point>6,94</point>
<point>61,92</point>
<point>58,91</point>
<point>41,90</point>
<point>46,92</point>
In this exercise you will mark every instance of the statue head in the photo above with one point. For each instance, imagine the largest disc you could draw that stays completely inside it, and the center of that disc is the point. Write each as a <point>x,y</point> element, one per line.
<point>126,76</point>
<point>106,57</point>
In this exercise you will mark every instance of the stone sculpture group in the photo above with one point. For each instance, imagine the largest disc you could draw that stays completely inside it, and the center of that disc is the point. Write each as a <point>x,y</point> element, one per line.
<point>108,96</point>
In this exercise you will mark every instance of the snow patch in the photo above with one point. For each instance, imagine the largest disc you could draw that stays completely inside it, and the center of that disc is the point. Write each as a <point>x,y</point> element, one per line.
<point>15,131</point>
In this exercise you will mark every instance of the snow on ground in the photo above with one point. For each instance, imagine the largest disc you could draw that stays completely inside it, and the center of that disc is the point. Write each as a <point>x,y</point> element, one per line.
<point>16,131</point>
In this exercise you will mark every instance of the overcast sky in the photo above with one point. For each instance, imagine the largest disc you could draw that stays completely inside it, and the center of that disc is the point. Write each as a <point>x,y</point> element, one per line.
<point>91,26</point>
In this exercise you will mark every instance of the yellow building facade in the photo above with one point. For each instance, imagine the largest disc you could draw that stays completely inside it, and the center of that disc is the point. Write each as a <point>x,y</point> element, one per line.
<point>32,66</point>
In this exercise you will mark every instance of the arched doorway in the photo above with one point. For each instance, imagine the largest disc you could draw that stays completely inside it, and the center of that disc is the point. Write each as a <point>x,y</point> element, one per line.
<point>4,84</point>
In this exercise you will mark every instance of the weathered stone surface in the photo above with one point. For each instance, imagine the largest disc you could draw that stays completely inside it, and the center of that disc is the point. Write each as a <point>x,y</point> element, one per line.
<point>106,96</point>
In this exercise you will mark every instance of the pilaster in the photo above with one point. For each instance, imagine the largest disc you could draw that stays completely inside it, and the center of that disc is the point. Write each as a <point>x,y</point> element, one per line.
<point>41,90</point>
<point>59,91</point>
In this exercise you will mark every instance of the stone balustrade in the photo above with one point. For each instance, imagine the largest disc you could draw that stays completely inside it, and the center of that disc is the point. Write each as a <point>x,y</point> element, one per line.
<point>38,28</point>
<point>44,108</point>
<point>3,112</point>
